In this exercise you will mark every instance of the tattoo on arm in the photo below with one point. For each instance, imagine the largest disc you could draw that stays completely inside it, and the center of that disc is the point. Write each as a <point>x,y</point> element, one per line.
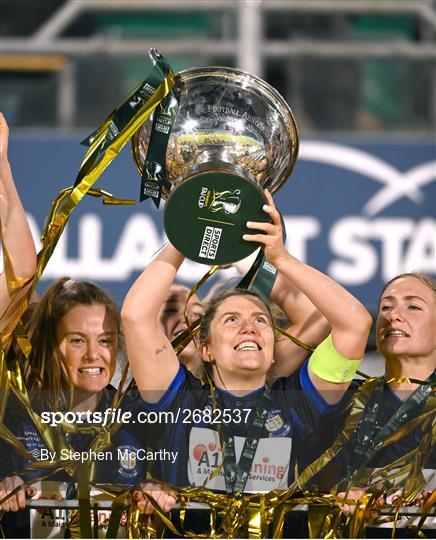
<point>159,350</point>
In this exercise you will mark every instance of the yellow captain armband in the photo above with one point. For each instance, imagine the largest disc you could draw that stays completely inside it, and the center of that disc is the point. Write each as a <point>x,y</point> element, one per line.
<point>328,364</point>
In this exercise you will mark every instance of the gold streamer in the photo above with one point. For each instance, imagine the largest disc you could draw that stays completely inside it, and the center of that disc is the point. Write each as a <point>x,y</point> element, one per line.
<point>60,216</point>
<point>294,339</point>
<point>11,380</point>
<point>237,516</point>
<point>181,341</point>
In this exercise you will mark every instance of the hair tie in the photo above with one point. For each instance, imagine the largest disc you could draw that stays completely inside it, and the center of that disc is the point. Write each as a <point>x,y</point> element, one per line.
<point>68,284</point>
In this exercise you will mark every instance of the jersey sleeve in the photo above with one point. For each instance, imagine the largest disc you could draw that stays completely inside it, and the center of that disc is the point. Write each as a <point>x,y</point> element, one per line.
<point>171,395</point>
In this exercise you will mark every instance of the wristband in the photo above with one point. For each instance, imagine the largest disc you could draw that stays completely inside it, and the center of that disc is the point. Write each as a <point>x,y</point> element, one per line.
<point>328,364</point>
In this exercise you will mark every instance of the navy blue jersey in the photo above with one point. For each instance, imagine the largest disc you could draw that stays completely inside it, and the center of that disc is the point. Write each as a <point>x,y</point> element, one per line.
<point>119,464</point>
<point>194,431</point>
<point>390,403</point>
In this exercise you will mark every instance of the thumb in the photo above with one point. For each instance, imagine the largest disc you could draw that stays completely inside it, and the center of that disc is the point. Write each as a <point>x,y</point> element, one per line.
<point>30,492</point>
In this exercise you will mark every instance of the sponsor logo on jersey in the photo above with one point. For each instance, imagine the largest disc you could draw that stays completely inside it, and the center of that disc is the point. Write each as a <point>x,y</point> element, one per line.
<point>269,469</point>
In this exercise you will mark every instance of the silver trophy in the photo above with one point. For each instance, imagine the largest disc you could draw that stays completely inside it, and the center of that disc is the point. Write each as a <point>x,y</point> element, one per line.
<point>233,136</point>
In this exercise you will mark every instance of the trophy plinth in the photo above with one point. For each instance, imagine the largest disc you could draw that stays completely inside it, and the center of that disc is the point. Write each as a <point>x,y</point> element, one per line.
<point>233,136</point>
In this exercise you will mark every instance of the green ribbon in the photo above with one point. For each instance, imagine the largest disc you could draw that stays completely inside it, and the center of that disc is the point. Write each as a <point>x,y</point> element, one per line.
<point>262,275</point>
<point>236,474</point>
<point>264,279</point>
<point>368,441</point>
<point>154,175</point>
<point>122,115</point>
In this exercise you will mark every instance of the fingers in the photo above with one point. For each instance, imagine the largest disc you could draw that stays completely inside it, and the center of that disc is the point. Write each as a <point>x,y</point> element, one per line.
<point>269,199</point>
<point>163,498</point>
<point>18,500</point>
<point>3,123</point>
<point>348,509</point>
<point>4,135</point>
<point>271,235</point>
<point>265,226</point>
<point>30,492</point>
<point>353,493</point>
<point>271,230</point>
<point>271,209</point>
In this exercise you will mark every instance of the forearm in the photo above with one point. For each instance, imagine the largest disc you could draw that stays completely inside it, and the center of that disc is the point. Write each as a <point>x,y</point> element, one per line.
<point>350,324</point>
<point>151,356</point>
<point>349,320</point>
<point>305,322</point>
<point>147,294</point>
<point>338,306</point>
<point>19,253</point>
<point>296,305</point>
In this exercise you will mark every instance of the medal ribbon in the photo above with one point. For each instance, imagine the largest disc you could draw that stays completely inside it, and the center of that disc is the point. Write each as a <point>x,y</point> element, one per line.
<point>154,174</point>
<point>367,441</point>
<point>236,475</point>
<point>119,119</point>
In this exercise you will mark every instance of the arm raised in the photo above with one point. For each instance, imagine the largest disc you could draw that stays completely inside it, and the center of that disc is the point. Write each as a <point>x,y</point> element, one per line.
<point>19,253</point>
<point>307,325</point>
<point>349,320</point>
<point>151,356</point>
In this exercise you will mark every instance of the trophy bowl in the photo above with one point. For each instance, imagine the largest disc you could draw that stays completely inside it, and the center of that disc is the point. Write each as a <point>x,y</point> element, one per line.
<point>233,136</point>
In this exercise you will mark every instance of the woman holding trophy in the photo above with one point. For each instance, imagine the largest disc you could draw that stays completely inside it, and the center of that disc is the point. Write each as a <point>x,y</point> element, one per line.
<point>237,341</point>
<point>232,136</point>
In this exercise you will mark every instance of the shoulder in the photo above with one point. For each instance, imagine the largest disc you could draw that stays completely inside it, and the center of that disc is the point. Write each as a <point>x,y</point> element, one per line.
<point>301,392</point>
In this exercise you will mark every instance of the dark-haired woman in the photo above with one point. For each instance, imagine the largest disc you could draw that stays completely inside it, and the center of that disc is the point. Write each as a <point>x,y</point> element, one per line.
<point>261,427</point>
<point>75,334</point>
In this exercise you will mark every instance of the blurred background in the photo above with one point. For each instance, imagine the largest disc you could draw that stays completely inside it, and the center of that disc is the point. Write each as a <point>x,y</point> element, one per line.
<point>359,76</point>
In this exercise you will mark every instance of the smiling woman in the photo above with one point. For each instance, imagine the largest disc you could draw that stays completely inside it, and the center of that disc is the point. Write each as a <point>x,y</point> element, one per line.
<point>247,352</point>
<point>75,332</point>
<point>75,335</point>
<point>238,425</point>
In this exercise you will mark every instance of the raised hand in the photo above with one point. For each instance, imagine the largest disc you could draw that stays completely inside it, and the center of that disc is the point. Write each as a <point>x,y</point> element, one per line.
<point>4,138</point>
<point>272,237</point>
<point>19,254</point>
